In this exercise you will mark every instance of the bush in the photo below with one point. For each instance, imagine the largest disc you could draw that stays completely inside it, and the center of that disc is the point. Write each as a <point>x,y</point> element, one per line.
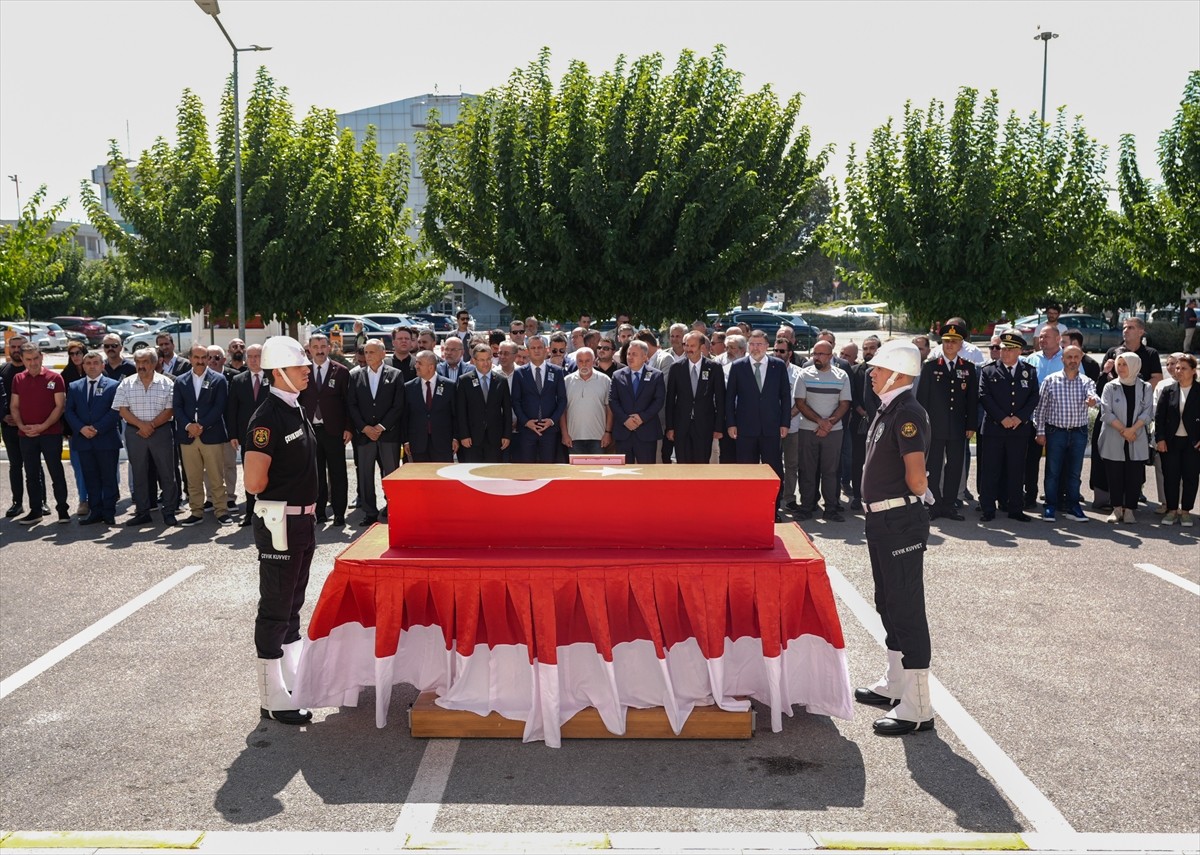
<point>1164,336</point>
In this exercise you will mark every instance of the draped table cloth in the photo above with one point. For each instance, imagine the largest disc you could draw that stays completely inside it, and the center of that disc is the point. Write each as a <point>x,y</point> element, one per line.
<point>539,634</point>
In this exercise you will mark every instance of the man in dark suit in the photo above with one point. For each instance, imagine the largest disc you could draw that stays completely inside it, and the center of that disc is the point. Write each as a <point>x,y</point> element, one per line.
<point>376,404</point>
<point>247,390</point>
<point>695,402</point>
<point>483,411</point>
<point>638,394</point>
<point>170,364</point>
<point>949,392</point>
<point>95,440</point>
<point>1008,390</point>
<point>539,398</point>
<point>324,403</point>
<point>198,405</point>
<point>428,428</point>
<point>758,406</point>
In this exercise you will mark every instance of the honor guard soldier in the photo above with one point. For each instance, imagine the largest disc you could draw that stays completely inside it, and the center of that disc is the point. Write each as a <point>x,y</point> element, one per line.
<point>895,490</point>
<point>1008,390</point>
<point>949,392</point>
<point>281,469</point>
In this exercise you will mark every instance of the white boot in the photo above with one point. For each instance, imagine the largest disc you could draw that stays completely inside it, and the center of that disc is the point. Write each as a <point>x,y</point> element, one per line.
<point>915,710</point>
<point>275,701</point>
<point>887,689</point>
<point>291,661</point>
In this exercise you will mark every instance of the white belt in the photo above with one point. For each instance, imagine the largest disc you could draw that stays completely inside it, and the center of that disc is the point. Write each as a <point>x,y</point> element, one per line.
<point>873,507</point>
<point>300,510</point>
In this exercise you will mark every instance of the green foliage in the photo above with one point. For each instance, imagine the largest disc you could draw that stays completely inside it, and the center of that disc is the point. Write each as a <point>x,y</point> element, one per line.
<point>1164,336</point>
<point>660,195</point>
<point>30,256</point>
<point>966,217</point>
<point>1163,222</point>
<point>324,220</point>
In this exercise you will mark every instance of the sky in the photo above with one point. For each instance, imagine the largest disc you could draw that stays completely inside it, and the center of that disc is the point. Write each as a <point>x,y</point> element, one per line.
<point>74,75</point>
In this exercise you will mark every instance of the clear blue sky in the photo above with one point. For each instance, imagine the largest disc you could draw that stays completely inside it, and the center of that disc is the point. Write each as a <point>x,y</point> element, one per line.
<point>75,74</point>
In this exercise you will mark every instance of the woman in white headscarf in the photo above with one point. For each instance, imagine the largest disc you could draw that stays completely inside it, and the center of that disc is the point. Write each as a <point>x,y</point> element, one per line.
<point>1125,410</point>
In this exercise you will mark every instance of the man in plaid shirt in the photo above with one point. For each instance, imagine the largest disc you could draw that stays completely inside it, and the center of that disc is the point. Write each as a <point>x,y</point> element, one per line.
<point>1061,418</point>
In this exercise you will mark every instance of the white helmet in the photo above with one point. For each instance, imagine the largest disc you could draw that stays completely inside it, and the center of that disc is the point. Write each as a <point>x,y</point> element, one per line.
<point>283,351</point>
<point>900,356</point>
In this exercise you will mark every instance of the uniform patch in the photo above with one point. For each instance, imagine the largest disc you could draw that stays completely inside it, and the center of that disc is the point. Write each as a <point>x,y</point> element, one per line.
<point>261,437</point>
<point>908,430</point>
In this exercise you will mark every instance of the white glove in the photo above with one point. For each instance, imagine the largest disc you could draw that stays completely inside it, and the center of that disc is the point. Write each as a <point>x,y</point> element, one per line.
<point>928,497</point>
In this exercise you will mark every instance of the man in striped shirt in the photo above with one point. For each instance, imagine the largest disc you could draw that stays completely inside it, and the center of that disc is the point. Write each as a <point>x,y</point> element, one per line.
<point>822,393</point>
<point>144,401</point>
<point>1061,418</point>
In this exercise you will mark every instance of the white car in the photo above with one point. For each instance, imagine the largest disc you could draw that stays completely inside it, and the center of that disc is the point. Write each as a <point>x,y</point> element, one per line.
<point>865,309</point>
<point>181,331</point>
<point>48,337</point>
<point>125,325</point>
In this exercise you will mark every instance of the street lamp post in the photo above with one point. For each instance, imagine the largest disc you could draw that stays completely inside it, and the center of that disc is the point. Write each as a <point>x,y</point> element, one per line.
<point>1044,37</point>
<point>211,7</point>
<point>16,180</point>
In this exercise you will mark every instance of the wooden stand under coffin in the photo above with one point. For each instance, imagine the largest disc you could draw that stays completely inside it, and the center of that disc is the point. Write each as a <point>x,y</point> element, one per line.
<point>427,720</point>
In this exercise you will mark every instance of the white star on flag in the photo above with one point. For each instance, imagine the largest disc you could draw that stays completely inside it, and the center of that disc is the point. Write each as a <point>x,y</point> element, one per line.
<point>605,471</point>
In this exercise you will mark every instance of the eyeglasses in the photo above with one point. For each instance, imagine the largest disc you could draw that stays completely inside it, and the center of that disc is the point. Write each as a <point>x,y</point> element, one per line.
<point>112,347</point>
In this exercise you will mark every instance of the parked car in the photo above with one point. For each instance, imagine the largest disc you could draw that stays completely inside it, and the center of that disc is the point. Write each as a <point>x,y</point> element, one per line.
<point>1098,334</point>
<point>442,325</point>
<point>181,331</point>
<point>770,322</point>
<point>391,320</point>
<point>92,330</point>
<point>346,324</point>
<point>125,325</point>
<point>865,309</point>
<point>47,336</point>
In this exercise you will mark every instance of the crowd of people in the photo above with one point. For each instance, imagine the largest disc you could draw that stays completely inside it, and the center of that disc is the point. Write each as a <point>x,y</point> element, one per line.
<point>524,395</point>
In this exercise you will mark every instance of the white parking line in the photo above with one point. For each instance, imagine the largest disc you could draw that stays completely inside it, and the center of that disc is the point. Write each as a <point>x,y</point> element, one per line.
<point>49,660</point>
<point>428,787</point>
<point>1168,576</point>
<point>1027,798</point>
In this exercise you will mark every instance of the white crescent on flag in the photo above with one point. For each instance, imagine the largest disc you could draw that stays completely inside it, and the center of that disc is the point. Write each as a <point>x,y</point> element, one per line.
<point>463,472</point>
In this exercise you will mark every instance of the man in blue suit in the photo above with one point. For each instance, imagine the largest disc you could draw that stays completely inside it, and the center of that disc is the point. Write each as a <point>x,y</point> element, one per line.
<point>95,441</point>
<point>199,412</point>
<point>758,406</point>
<point>539,396</point>
<point>638,395</point>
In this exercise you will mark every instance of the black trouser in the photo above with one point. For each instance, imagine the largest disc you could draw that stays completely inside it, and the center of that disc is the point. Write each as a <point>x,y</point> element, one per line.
<point>333,482</point>
<point>1180,463</point>
<point>896,541</point>
<point>727,449</point>
<point>1033,459</point>
<point>858,460</point>
<point>16,465</point>
<point>637,450</point>
<point>48,447</point>
<point>1002,467</point>
<point>692,447</point>
<point>539,449</point>
<point>282,580</point>
<point>668,445</point>
<point>483,450</point>
<point>945,464</point>
<point>1125,479</point>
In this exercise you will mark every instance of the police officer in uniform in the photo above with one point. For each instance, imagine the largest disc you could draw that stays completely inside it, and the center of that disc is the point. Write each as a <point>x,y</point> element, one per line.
<point>281,470</point>
<point>1008,390</point>
<point>895,489</point>
<point>949,392</point>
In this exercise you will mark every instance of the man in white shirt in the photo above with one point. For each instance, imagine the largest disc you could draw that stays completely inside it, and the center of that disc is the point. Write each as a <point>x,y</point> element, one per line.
<point>587,421</point>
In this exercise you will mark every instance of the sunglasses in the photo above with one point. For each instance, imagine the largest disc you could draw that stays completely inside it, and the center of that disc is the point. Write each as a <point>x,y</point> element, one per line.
<point>994,347</point>
<point>558,350</point>
<point>603,347</point>
<point>112,347</point>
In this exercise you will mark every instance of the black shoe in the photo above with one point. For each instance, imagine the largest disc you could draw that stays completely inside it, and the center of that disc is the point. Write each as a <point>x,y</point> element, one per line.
<point>287,716</point>
<point>169,520</point>
<point>779,517</point>
<point>322,517</point>
<point>988,516</point>
<point>14,510</point>
<point>791,506</point>
<point>45,510</point>
<point>246,521</point>
<point>110,520</point>
<point>366,521</point>
<point>1020,517</point>
<point>856,505</point>
<point>899,727</point>
<point>64,516</point>
<point>140,519</point>
<point>802,514</point>
<point>952,514</point>
<point>225,519</point>
<point>934,513</point>
<point>833,516</point>
<point>339,521</point>
<point>192,521</point>
<point>866,696</point>
<point>208,506</point>
<point>30,519</point>
<point>91,519</point>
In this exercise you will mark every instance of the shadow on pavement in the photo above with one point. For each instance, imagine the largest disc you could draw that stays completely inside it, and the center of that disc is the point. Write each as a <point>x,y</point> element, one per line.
<point>955,782</point>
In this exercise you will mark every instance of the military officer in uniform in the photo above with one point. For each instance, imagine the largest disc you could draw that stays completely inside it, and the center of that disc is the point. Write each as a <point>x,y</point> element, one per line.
<point>281,470</point>
<point>895,490</point>
<point>949,392</point>
<point>1008,390</point>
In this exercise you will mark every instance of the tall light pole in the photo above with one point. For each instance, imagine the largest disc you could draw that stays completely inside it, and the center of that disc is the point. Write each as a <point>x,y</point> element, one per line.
<point>211,7</point>
<point>1045,38</point>
<point>15,180</point>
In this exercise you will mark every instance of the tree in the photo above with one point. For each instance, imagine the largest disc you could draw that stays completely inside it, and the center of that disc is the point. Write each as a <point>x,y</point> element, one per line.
<point>324,219</point>
<point>30,256</point>
<point>657,195</point>
<point>1163,222</point>
<point>959,219</point>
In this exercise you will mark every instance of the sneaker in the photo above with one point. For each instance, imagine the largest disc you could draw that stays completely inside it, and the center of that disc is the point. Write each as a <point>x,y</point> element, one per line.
<point>30,519</point>
<point>1185,519</point>
<point>225,519</point>
<point>192,521</point>
<point>1160,510</point>
<point>1076,513</point>
<point>1129,518</point>
<point>1048,515</point>
<point>64,516</point>
<point>1115,516</point>
<point>208,506</point>
<point>1170,518</point>
<point>84,510</point>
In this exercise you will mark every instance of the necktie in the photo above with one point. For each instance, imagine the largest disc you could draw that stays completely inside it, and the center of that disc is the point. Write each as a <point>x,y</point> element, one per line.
<point>318,376</point>
<point>91,391</point>
<point>256,387</point>
<point>695,377</point>
<point>537,377</point>
<point>758,375</point>
<point>637,382</point>
<point>428,395</point>
<point>485,385</point>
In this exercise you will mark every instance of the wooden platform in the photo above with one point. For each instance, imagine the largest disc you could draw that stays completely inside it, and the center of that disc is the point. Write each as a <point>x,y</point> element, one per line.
<point>426,719</point>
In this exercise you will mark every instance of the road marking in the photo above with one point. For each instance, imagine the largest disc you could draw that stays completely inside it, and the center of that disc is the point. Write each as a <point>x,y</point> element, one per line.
<point>1168,576</point>
<point>428,787</point>
<point>58,654</point>
<point>1028,799</point>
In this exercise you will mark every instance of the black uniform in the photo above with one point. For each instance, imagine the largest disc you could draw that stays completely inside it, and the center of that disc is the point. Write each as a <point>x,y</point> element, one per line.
<point>1002,450</point>
<point>281,431</point>
<point>949,392</point>
<point>896,537</point>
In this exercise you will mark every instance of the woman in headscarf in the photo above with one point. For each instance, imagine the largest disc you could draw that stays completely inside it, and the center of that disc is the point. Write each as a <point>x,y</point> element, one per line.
<point>1126,408</point>
<point>1177,429</point>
